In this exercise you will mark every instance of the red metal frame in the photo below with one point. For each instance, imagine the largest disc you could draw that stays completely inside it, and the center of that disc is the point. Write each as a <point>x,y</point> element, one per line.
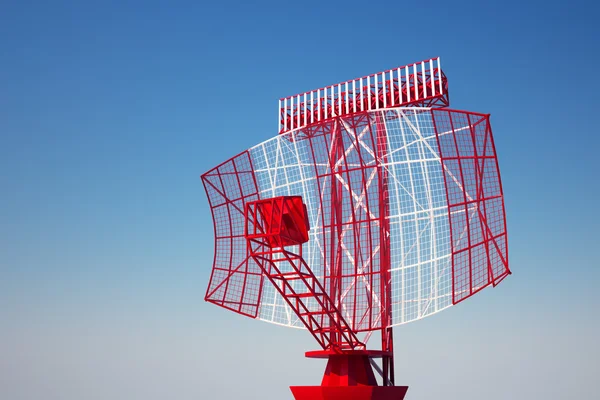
<point>350,295</point>
<point>349,376</point>
<point>345,172</point>
<point>267,237</point>
<point>387,338</point>
<point>475,201</point>
<point>235,282</point>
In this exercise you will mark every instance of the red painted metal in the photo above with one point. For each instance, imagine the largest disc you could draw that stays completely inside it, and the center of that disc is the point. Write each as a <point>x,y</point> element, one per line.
<point>258,239</point>
<point>271,226</point>
<point>346,171</point>
<point>384,237</point>
<point>349,375</point>
<point>349,370</point>
<point>236,281</point>
<point>264,222</point>
<point>277,222</point>
<point>349,392</point>
<point>475,201</point>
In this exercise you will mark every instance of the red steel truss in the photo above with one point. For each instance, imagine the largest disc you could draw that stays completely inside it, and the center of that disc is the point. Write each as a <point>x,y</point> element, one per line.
<point>421,84</point>
<point>273,224</point>
<point>474,196</point>
<point>236,282</point>
<point>344,295</point>
<point>351,292</point>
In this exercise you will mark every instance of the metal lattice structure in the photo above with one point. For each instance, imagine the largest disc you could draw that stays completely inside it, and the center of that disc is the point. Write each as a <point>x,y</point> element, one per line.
<point>404,211</point>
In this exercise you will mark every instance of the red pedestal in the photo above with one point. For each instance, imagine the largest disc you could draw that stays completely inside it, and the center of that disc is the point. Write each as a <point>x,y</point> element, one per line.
<point>349,392</point>
<point>348,376</point>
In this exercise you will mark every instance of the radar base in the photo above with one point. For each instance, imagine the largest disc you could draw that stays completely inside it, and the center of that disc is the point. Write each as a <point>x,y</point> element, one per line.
<point>348,376</point>
<point>349,392</point>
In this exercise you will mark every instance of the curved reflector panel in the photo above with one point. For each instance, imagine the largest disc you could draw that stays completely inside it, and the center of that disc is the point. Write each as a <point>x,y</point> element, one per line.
<point>411,196</point>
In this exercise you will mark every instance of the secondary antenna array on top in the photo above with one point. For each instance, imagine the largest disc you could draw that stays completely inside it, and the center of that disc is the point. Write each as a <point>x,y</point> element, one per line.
<point>421,84</point>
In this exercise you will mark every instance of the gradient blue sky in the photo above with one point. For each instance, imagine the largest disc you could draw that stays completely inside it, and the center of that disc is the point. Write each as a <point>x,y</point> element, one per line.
<point>110,111</point>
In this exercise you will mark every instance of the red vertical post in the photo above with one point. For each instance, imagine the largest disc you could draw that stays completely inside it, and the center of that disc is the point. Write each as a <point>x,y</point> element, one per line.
<point>384,255</point>
<point>335,256</point>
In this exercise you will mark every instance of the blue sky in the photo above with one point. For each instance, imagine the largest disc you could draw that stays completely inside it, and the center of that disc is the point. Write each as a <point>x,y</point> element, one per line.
<point>109,112</point>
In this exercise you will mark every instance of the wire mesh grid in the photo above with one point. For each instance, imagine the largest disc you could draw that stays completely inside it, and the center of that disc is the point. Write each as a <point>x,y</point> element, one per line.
<point>419,231</point>
<point>443,201</point>
<point>298,163</point>
<point>475,200</point>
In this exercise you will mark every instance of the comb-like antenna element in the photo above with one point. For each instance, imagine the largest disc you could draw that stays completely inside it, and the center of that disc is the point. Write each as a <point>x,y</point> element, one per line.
<point>379,92</point>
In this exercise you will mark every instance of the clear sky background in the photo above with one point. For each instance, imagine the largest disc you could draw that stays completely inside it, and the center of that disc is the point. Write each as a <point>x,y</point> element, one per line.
<point>110,111</point>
